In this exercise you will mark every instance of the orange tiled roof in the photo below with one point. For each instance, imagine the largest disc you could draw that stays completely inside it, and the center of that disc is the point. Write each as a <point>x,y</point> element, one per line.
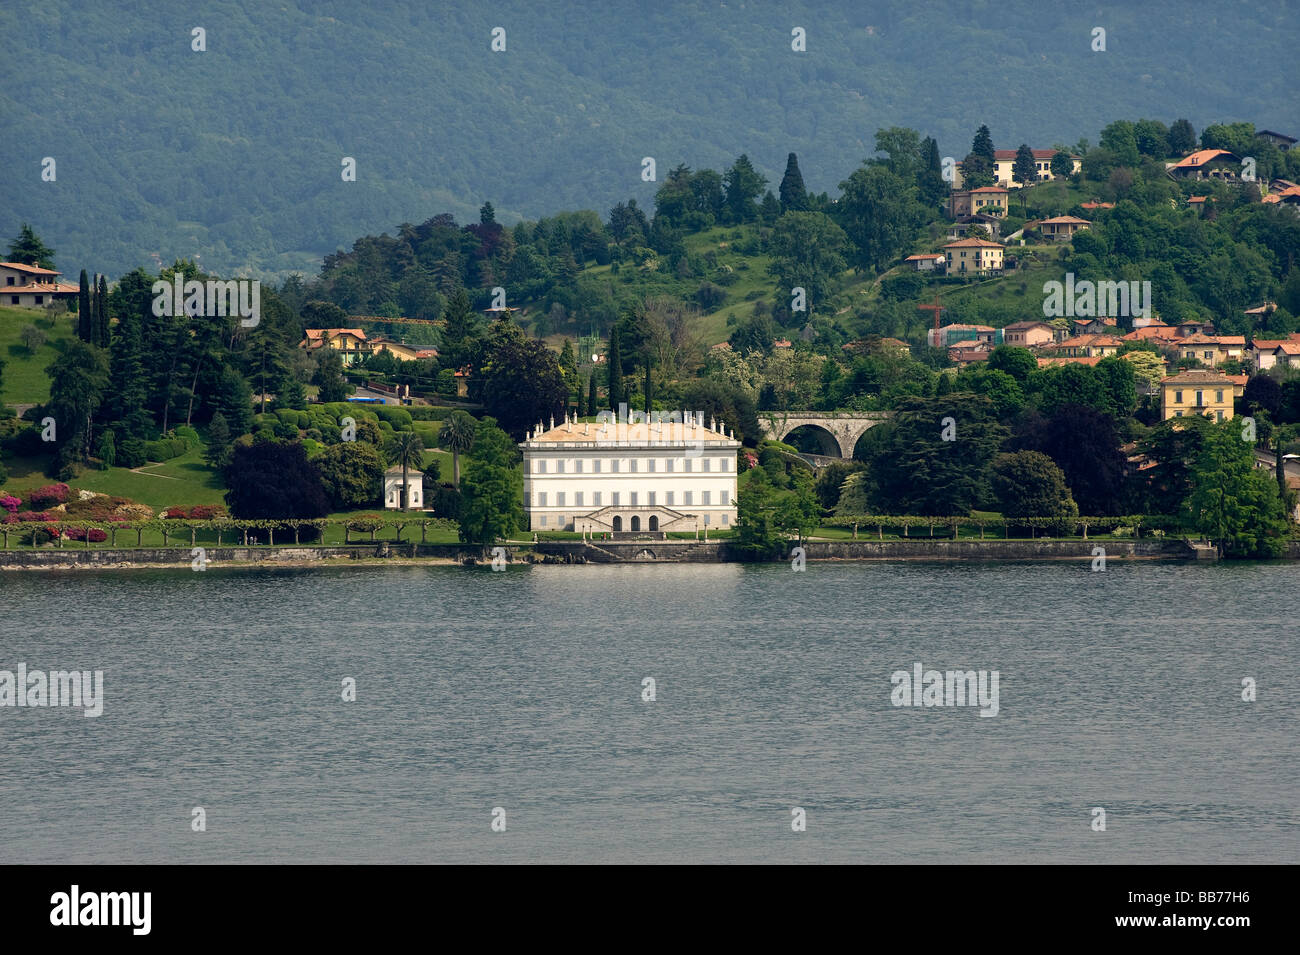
<point>972,244</point>
<point>1064,220</point>
<point>34,269</point>
<point>1201,157</point>
<point>1064,360</point>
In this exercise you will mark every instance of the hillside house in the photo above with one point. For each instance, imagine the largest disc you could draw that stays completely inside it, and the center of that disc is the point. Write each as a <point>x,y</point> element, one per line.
<point>1004,162</point>
<point>29,286</point>
<point>977,256</point>
<point>1062,228</point>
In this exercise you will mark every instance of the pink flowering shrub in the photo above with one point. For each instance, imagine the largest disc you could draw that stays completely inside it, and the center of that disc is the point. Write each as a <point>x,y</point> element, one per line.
<point>48,496</point>
<point>10,503</point>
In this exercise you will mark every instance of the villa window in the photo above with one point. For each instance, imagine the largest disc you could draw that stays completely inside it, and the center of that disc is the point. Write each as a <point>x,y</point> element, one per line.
<point>577,466</point>
<point>613,466</point>
<point>595,498</point>
<point>559,499</point>
<point>1219,395</point>
<point>1200,398</point>
<point>708,464</point>
<point>650,465</point>
<point>539,467</point>
<point>615,496</point>
<point>577,498</point>
<point>543,519</point>
<point>595,466</point>
<point>724,519</point>
<point>633,496</point>
<point>652,498</point>
<point>669,498</point>
<point>541,498</point>
<point>632,465</point>
<point>1178,397</point>
<point>686,498</point>
<point>669,464</point>
<point>689,466</point>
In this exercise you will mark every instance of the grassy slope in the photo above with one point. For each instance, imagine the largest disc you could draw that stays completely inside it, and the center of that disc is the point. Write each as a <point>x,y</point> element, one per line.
<point>24,378</point>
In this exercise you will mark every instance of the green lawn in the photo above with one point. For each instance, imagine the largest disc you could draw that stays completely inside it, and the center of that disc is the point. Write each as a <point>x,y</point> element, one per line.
<point>24,379</point>
<point>185,481</point>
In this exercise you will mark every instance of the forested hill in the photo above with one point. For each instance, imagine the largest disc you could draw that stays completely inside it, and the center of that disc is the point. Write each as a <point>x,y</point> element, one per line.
<point>232,156</point>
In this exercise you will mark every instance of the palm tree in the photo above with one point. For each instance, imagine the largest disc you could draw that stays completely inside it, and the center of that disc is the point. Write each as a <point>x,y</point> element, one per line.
<point>405,447</point>
<point>457,435</point>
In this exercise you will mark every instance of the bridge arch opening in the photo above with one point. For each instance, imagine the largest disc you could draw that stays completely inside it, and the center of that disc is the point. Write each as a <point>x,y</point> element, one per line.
<point>813,439</point>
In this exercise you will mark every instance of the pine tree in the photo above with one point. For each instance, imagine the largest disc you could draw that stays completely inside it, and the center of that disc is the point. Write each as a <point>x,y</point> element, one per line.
<point>86,330</point>
<point>614,365</point>
<point>101,313</point>
<point>982,145</point>
<point>794,197</point>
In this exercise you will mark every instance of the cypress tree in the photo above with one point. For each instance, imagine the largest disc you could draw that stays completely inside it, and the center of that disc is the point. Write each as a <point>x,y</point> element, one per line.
<point>794,197</point>
<point>647,386</point>
<point>591,393</point>
<point>615,371</point>
<point>85,317</point>
<point>101,313</point>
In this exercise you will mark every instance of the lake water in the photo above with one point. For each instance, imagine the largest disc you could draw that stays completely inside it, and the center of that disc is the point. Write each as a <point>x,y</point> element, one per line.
<point>523,690</point>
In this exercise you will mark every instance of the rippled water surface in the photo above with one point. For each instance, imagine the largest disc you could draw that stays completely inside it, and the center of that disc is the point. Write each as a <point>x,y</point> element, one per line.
<point>523,690</point>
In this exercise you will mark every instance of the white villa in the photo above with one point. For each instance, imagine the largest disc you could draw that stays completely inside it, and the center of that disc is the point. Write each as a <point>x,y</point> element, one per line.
<point>393,488</point>
<point>621,477</point>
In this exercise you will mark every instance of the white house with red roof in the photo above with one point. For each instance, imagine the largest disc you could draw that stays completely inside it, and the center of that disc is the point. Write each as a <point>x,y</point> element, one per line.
<point>30,286</point>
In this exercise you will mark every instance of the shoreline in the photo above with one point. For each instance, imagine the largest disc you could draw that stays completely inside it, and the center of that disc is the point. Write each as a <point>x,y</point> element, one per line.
<point>380,553</point>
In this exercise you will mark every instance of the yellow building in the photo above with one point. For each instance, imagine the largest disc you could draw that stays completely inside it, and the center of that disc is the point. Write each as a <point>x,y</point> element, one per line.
<point>978,256</point>
<point>1199,392</point>
<point>351,342</point>
<point>1004,163</point>
<point>988,200</point>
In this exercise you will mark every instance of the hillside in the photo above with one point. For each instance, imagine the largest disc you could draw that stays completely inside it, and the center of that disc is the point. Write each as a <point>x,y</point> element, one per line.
<point>232,156</point>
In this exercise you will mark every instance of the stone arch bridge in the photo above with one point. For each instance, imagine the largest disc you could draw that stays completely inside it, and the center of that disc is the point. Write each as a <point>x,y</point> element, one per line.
<point>838,430</point>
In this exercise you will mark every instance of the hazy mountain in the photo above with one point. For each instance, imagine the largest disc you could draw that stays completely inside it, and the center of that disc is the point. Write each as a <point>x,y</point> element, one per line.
<point>234,154</point>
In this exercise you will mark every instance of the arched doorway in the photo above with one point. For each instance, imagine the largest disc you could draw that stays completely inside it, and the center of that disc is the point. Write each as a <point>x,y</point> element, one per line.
<point>618,523</point>
<point>654,522</point>
<point>636,523</point>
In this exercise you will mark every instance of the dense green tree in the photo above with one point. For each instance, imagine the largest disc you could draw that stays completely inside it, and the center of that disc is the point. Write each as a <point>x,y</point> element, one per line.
<point>273,480</point>
<point>1232,501</point>
<point>1085,445</point>
<point>932,189</point>
<point>880,213</point>
<point>220,442</point>
<point>932,456</point>
<point>492,490</point>
<point>1017,362</point>
<point>28,249</point>
<point>744,186</point>
<point>351,474</point>
<point>794,197</point>
<point>1062,166</point>
<point>1182,138</point>
<point>731,406</point>
<point>808,251</point>
<point>78,381</point>
<point>521,381</point>
<point>1029,484</point>
<point>329,377</point>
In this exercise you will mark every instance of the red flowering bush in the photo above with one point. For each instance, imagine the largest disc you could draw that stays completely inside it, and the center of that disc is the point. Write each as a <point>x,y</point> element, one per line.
<point>32,517</point>
<point>79,534</point>
<point>48,496</point>
<point>174,512</point>
<point>207,512</point>
<point>746,460</point>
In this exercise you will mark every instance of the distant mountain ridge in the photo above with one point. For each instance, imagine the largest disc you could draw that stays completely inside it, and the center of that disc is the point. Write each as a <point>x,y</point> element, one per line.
<point>234,154</point>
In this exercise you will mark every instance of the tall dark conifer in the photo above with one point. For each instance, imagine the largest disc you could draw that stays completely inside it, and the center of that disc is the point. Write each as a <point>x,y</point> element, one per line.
<point>591,393</point>
<point>101,314</point>
<point>85,315</point>
<point>614,366</point>
<point>794,197</point>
